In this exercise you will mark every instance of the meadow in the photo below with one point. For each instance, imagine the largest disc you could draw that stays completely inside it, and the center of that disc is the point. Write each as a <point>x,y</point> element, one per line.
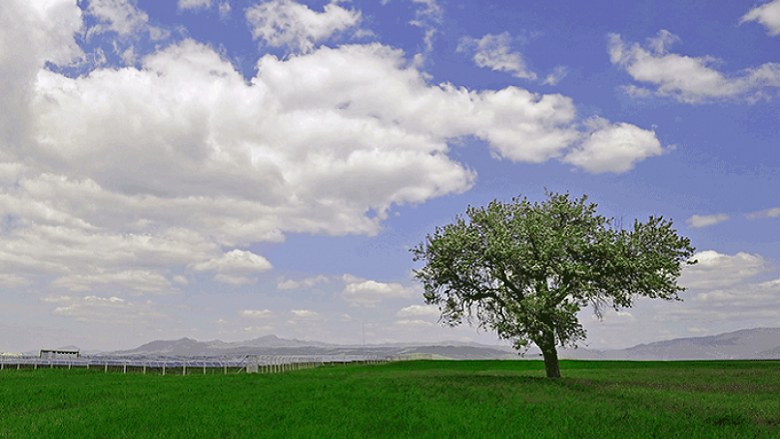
<point>405,399</point>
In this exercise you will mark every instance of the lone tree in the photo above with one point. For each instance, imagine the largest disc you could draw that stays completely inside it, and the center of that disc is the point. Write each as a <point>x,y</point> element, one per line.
<point>525,269</point>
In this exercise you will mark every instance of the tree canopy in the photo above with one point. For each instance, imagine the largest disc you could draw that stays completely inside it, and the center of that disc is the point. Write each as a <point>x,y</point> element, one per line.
<point>525,270</point>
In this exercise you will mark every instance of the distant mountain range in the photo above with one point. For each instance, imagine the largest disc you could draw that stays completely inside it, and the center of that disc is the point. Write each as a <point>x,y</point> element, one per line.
<point>759,343</point>
<point>747,344</point>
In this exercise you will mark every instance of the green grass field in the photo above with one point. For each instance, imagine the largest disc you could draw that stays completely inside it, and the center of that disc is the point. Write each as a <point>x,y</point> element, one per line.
<point>427,399</point>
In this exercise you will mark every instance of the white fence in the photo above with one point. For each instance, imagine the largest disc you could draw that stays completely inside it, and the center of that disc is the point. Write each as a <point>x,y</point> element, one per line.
<point>179,365</point>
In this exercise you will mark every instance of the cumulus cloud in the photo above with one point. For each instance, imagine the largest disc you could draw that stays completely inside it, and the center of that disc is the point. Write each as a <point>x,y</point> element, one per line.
<point>369,293</point>
<point>613,147</point>
<point>688,79</point>
<point>697,221</point>
<point>131,173</point>
<point>31,33</point>
<point>194,4</point>
<point>305,283</point>
<point>767,14</point>
<point>113,310</point>
<point>232,279</point>
<point>256,313</point>
<point>140,280</point>
<point>120,16</point>
<point>288,23</point>
<point>749,302</point>
<point>64,251</point>
<point>768,213</point>
<point>493,51</point>
<point>419,310</point>
<point>305,313</point>
<point>235,261</point>
<point>723,289</point>
<point>716,270</point>
<point>413,323</point>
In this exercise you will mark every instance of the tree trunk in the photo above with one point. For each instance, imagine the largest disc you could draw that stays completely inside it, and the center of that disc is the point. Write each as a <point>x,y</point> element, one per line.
<point>550,355</point>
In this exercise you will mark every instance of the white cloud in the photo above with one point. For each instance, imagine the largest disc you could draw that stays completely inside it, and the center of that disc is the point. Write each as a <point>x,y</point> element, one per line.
<point>493,51</point>
<point>65,251</point>
<point>112,310</point>
<point>429,19</point>
<point>234,280</point>
<point>369,293</point>
<point>235,261</point>
<point>259,329</point>
<point>30,35</point>
<point>768,213</point>
<point>288,23</point>
<point>236,138</point>
<point>613,147</point>
<point>612,317</point>
<point>697,221</point>
<point>120,16</point>
<point>13,281</point>
<point>718,271</point>
<point>431,7</point>
<point>197,159</point>
<point>767,14</point>
<point>556,76</point>
<point>224,10</point>
<point>256,313</point>
<point>140,280</point>
<point>748,302</point>
<point>419,310</point>
<point>413,323</point>
<point>194,4</point>
<point>305,313</point>
<point>305,283</point>
<point>687,79</point>
<point>179,279</point>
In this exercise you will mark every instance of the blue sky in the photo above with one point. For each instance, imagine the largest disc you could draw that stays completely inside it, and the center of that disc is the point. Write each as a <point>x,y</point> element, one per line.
<point>223,169</point>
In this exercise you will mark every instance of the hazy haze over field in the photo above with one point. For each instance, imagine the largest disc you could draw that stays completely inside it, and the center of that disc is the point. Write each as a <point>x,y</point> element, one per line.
<point>222,169</point>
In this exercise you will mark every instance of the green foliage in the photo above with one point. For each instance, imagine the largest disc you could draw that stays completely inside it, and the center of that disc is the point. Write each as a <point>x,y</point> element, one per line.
<point>421,399</point>
<point>525,269</point>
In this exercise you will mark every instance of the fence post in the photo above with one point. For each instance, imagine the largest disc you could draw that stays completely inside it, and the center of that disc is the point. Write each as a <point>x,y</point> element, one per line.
<point>144,366</point>
<point>165,363</point>
<point>204,365</point>
<point>124,371</point>
<point>184,368</point>
<point>105,363</point>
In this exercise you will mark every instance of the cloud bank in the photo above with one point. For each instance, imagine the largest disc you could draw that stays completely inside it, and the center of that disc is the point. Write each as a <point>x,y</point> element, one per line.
<point>767,14</point>
<point>688,79</point>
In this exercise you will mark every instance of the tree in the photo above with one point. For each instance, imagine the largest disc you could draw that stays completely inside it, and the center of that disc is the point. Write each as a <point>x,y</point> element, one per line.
<point>525,270</point>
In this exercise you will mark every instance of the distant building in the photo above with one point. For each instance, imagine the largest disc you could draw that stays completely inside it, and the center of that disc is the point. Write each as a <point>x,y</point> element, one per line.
<point>56,353</point>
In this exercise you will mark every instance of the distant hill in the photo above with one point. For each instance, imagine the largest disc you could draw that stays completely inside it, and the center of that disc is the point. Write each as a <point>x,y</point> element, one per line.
<point>746,344</point>
<point>759,343</point>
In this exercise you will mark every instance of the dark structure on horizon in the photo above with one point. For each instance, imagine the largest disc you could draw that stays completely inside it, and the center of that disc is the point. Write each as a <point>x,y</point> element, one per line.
<point>52,353</point>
